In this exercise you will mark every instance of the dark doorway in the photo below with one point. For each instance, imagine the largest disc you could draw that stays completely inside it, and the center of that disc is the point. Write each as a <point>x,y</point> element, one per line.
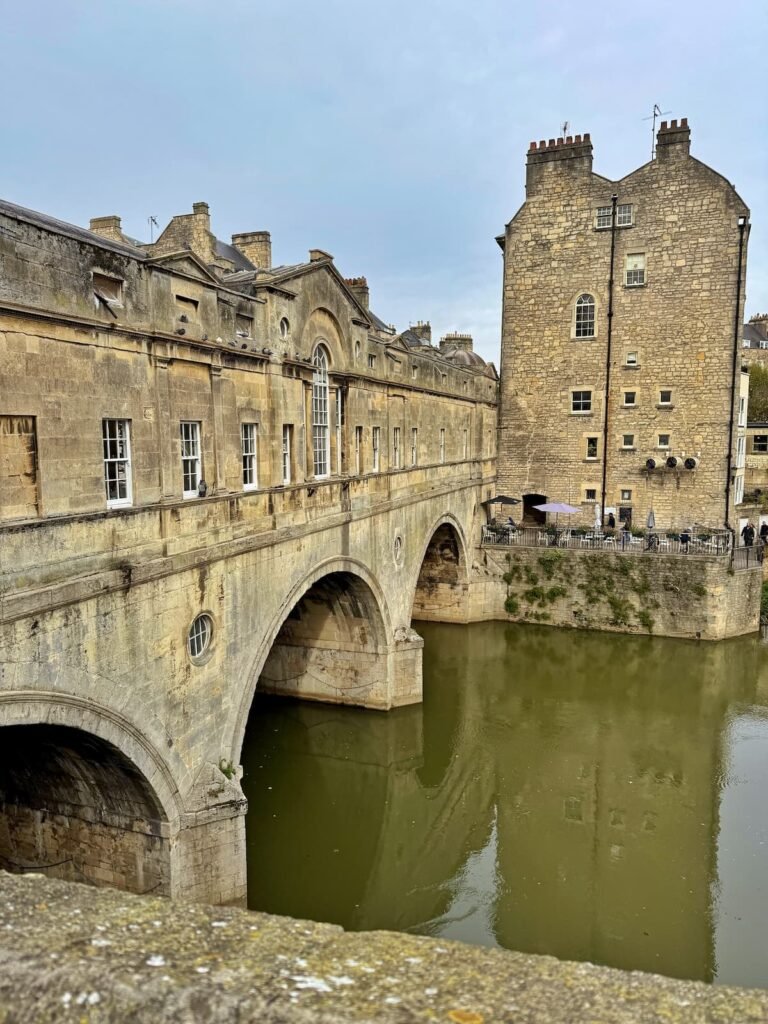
<point>532,516</point>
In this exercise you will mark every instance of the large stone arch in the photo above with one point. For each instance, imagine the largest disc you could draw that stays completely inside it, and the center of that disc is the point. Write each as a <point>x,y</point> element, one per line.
<point>440,584</point>
<point>83,796</point>
<point>376,651</point>
<point>322,326</point>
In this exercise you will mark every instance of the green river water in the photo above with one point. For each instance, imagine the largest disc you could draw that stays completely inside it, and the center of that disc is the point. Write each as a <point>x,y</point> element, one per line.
<point>591,796</point>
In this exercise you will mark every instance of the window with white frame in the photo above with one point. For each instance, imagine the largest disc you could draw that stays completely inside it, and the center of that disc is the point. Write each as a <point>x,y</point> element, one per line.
<point>442,444</point>
<point>738,496</point>
<point>584,323</point>
<point>414,446</point>
<point>199,636</point>
<point>396,448</point>
<point>627,440</point>
<point>624,215</point>
<point>190,458</point>
<point>116,438</point>
<point>287,452</point>
<point>630,397</point>
<point>591,448</point>
<point>760,444</point>
<point>581,401</point>
<point>742,411</point>
<point>248,444</point>
<point>603,217</point>
<point>358,450</point>
<point>339,425</point>
<point>634,269</point>
<point>631,359</point>
<point>321,442</point>
<point>376,446</point>
<point>665,396</point>
<point>762,344</point>
<point>626,494</point>
<point>741,447</point>
<point>663,441</point>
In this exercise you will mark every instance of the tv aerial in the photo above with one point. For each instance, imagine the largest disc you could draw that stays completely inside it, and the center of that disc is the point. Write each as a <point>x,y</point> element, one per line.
<point>657,112</point>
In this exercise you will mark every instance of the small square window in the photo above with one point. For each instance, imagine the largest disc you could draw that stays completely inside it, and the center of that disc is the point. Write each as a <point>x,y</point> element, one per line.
<point>624,215</point>
<point>635,270</point>
<point>665,397</point>
<point>663,440</point>
<point>626,494</point>
<point>603,218</point>
<point>629,397</point>
<point>591,447</point>
<point>760,443</point>
<point>631,359</point>
<point>581,401</point>
<point>628,441</point>
<point>590,494</point>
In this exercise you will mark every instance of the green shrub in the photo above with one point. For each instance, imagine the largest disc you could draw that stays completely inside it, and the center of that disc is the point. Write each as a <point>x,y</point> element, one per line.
<point>645,620</point>
<point>511,605</point>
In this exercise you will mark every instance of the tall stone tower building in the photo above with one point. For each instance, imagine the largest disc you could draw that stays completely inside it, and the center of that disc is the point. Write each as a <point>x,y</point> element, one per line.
<point>621,348</point>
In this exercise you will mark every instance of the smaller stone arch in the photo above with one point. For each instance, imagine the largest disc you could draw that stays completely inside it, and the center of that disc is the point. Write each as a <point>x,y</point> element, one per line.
<point>322,327</point>
<point>441,586</point>
<point>584,311</point>
<point>75,804</point>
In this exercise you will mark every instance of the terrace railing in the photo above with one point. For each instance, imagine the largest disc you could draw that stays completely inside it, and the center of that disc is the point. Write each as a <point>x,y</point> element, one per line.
<point>703,543</point>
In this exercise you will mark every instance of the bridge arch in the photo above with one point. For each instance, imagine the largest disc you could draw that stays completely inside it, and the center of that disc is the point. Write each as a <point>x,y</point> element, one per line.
<point>83,796</point>
<point>441,580</point>
<point>330,641</point>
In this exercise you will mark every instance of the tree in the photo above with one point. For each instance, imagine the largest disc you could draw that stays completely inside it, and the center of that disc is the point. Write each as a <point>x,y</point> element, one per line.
<point>758,393</point>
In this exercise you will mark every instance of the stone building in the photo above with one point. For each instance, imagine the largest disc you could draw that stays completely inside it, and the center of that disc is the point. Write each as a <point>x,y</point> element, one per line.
<point>216,474</point>
<point>755,340</point>
<point>621,344</point>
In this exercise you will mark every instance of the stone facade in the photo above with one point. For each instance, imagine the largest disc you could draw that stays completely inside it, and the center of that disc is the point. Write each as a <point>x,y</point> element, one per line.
<point>574,412</point>
<point>186,431</point>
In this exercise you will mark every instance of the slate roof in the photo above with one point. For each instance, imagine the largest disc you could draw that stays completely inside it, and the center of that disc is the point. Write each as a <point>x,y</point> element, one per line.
<point>61,227</point>
<point>754,333</point>
<point>229,252</point>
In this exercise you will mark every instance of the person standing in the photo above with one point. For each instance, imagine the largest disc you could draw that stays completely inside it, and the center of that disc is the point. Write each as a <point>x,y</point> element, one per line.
<point>611,521</point>
<point>748,534</point>
<point>764,532</point>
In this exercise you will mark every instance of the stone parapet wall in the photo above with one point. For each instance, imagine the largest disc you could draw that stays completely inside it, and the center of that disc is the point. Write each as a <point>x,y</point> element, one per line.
<point>71,953</point>
<point>693,597</point>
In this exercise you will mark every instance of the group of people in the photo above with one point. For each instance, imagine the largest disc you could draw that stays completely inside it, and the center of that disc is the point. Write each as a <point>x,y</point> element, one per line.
<point>748,534</point>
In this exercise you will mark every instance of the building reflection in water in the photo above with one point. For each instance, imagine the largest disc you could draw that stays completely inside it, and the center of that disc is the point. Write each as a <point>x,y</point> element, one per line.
<point>558,792</point>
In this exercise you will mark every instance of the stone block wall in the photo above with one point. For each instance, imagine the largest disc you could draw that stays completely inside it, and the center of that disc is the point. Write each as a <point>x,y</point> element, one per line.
<point>680,596</point>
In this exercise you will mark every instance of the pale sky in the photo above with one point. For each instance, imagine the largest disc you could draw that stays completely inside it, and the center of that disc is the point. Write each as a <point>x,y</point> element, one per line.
<point>392,135</point>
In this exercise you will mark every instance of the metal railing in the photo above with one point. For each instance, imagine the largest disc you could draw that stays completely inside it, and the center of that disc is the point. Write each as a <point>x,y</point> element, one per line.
<point>704,543</point>
<point>748,557</point>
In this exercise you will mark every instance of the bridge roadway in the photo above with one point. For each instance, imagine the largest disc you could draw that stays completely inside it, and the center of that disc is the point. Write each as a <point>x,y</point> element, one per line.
<point>120,753</point>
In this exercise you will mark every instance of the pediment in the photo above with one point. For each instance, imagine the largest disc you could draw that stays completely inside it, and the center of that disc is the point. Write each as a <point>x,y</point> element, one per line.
<point>186,263</point>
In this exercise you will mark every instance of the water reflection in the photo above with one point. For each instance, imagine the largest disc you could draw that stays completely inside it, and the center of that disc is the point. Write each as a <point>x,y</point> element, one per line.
<point>558,792</point>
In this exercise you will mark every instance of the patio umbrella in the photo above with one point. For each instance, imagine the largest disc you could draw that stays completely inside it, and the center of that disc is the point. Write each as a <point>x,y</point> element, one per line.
<point>651,521</point>
<point>557,507</point>
<point>501,499</point>
<point>598,519</point>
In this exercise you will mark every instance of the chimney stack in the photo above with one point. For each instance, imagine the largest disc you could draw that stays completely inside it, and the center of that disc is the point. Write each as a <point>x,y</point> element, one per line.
<point>256,246</point>
<point>570,155</point>
<point>423,329</point>
<point>107,227</point>
<point>359,288</point>
<point>456,340</point>
<point>673,141</point>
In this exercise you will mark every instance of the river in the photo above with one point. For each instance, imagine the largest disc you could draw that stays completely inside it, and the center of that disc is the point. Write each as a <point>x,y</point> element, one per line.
<point>592,796</point>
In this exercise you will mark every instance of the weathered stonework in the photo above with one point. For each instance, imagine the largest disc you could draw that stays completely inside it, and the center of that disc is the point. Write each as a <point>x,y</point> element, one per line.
<point>672,331</point>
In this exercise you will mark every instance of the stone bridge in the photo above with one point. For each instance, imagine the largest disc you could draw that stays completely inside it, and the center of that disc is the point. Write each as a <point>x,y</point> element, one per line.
<point>120,753</point>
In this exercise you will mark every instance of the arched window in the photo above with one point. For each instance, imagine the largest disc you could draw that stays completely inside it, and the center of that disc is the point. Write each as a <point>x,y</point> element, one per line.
<point>321,441</point>
<point>585,316</point>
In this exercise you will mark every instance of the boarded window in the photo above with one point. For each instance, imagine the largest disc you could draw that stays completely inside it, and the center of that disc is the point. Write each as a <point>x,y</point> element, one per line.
<point>107,289</point>
<point>18,467</point>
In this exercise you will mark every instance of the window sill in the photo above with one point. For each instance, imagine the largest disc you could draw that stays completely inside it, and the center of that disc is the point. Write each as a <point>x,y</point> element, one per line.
<point>632,448</point>
<point>250,487</point>
<point>630,366</point>
<point>126,503</point>
<point>629,287</point>
<point>577,412</point>
<point>625,406</point>
<point>590,460</point>
<point>583,337</point>
<point>664,405</point>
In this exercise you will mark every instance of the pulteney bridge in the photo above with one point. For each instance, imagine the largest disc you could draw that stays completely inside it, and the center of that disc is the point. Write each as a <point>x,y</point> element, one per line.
<point>119,752</point>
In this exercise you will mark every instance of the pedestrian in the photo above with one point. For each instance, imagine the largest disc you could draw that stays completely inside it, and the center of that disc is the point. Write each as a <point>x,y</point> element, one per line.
<point>748,534</point>
<point>685,540</point>
<point>764,532</point>
<point>625,535</point>
<point>611,521</point>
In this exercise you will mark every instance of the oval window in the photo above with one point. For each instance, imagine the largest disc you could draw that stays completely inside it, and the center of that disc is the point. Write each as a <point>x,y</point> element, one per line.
<point>199,637</point>
<point>285,327</point>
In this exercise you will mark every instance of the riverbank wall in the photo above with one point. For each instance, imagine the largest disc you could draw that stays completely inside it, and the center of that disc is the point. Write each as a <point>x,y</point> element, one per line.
<point>668,595</point>
<point>72,953</point>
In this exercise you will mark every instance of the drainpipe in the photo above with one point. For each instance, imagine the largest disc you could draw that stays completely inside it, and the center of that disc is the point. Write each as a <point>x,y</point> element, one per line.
<point>736,337</point>
<point>614,200</point>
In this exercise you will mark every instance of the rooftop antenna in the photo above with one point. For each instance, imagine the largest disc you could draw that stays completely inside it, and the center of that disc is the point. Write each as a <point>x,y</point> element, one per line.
<point>564,128</point>
<point>152,221</point>
<point>657,112</point>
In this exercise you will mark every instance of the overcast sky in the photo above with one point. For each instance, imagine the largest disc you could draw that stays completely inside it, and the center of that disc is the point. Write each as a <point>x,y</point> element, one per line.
<point>391,134</point>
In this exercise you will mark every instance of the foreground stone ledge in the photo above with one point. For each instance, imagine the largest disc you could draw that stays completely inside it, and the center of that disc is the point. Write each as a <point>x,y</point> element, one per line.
<point>73,953</point>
